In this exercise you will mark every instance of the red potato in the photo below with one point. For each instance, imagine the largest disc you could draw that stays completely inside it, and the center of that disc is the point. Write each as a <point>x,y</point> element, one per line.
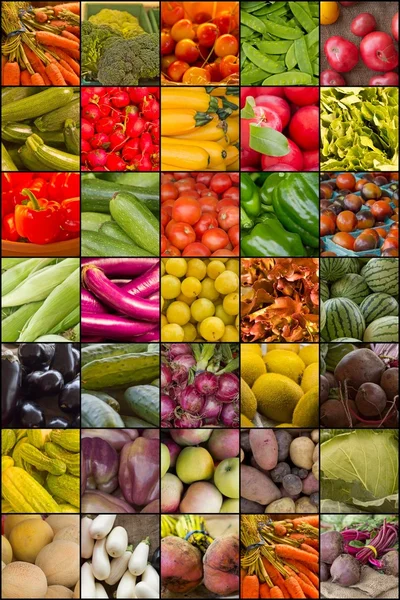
<point>378,51</point>
<point>293,158</point>
<point>264,448</point>
<point>256,486</point>
<point>362,24</point>
<point>304,128</point>
<point>331,78</point>
<point>278,105</point>
<point>391,78</point>
<point>341,54</point>
<point>221,566</point>
<point>395,27</point>
<point>181,568</point>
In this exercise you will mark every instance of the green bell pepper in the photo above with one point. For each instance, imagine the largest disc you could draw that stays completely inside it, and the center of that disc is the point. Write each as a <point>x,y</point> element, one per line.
<point>249,196</point>
<point>296,204</point>
<point>245,221</point>
<point>270,183</point>
<point>270,239</point>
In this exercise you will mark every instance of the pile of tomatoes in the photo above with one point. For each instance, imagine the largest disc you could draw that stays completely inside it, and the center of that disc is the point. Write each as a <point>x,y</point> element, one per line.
<point>200,214</point>
<point>364,206</point>
<point>201,49</point>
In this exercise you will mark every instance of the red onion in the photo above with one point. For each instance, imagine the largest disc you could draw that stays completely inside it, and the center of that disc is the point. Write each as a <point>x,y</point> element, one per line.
<point>177,349</point>
<point>186,360</point>
<point>206,383</point>
<point>211,409</point>
<point>166,424</point>
<point>166,376</point>
<point>180,374</point>
<point>167,407</point>
<point>229,415</point>
<point>187,422</point>
<point>191,400</point>
<point>228,387</point>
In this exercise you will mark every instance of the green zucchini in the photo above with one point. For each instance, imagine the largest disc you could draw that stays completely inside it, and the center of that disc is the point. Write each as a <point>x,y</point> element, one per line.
<point>40,104</point>
<point>19,132</point>
<point>91,221</point>
<point>117,371</point>
<point>96,413</point>
<point>54,159</point>
<point>97,244</point>
<point>7,163</point>
<point>144,402</point>
<point>135,179</point>
<point>105,398</point>
<point>30,160</point>
<point>96,195</point>
<point>99,351</point>
<point>54,120</point>
<point>113,230</point>
<point>71,137</point>
<point>134,422</point>
<point>13,151</point>
<point>137,221</point>
<point>12,94</point>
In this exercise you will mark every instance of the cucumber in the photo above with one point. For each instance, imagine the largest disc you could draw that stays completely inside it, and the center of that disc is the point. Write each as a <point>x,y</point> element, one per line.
<point>54,120</point>
<point>40,104</point>
<point>54,159</point>
<point>137,221</point>
<point>134,422</point>
<point>99,351</point>
<point>144,402</point>
<point>96,195</point>
<point>19,132</point>
<point>7,164</point>
<point>113,230</point>
<point>105,398</point>
<point>71,137</point>
<point>91,221</point>
<point>117,371</point>
<point>12,94</point>
<point>96,244</point>
<point>96,413</point>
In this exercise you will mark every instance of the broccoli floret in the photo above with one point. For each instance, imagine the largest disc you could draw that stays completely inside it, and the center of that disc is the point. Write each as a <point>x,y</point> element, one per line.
<point>119,20</point>
<point>125,62</point>
<point>95,39</point>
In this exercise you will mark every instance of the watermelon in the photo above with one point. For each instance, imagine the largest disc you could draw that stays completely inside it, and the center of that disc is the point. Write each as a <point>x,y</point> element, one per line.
<point>350,286</point>
<point>343,319</point>
<point>379,305</point>
<point>332,269</point>
<point>385,329</point>
<point>322,316</point>
<point>382,275</point>
<point>323,291</point>
<point>346,340</point>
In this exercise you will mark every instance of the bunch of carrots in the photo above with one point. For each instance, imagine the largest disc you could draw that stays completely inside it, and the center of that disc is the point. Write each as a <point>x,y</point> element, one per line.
<point>41,46</point>
<point>279,559</point>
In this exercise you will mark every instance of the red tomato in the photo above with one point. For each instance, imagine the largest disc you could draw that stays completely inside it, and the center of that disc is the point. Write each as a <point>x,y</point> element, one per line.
<point>236,250</point>
<point>167,178</point>
<point>226,44</point>
<point>225,203</point>
<point>220,182</point>
<point>187,50</point>
<point>231,194</point>
<point>185,184</point>
<point>229,65</point>
<point>225,21</point>
<point>168,206</point>
<point>206,221</point>
<point>176,70</point>
<point>181,234</point>
<point>234,235</point>
<point>187,210</point>
<point>215,239</point>
<point>183,29</point>
<point>208,203</point>
<point>302,96</point>
<point>204,178</point>
<point>207,33</point>
<point>191,194</point>
<point>167,43</point>
<point>200,187</point>
<point>172,251</point>
<point>169,227</point>
<point>208,193</point>
<point>223,252</point>
<point>165,218</point>
<point>228,217</point>
<point>164,243</point>
<point>235,177</point>
<point>182,175</point>
<point>168,191</point>
<point>171,12</point>
<point>196,249</point>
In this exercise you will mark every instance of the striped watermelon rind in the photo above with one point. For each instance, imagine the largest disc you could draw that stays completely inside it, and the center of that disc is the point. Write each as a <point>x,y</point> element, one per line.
<point>323,291</point>
<point>385,329</point>
<point>346,340</point>
<point>332,269</point>
<point>343,319</point>
<point>379,305</point>
<point>322,316</point>
<point>352,286</point>
<point>382,275</point>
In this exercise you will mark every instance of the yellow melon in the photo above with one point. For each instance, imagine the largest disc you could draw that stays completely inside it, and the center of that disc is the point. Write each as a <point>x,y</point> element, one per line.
<point>29,537</point>
<point>6,550</point>
<point>12,520</point>
<point>23,580</point>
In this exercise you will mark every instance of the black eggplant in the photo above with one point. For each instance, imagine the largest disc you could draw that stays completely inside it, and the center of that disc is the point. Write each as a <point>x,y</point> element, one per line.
<point>64,361</point>
<point>31,415</point>
<point>155,559</point>
<point>58,422</point>
<point>35,357</point>
<point>11,378</point>
<point>77,357</point>
<point>45,383</point>
<point>76,423</point>
<point>70,397</point>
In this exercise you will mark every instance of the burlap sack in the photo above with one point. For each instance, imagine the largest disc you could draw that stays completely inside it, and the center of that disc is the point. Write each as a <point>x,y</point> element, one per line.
<point>371,585</point>
<point>383,13</point>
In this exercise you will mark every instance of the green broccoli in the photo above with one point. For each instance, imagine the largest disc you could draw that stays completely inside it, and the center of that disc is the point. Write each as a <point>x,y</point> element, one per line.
<point>95,39</point>
<point>125,62</point>
<point>119,20</point>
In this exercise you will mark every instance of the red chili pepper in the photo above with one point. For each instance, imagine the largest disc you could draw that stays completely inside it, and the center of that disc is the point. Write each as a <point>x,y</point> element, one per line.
<point>70,212</point>
<point>38,220</point>
<point>8,230</point>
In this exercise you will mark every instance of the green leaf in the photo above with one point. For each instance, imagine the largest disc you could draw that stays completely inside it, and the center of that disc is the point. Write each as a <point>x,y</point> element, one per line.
<point>268,141</point>
<point>247,112</point>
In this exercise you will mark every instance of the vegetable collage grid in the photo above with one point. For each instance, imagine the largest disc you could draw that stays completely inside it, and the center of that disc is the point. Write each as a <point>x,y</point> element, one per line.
<point>199,299</point>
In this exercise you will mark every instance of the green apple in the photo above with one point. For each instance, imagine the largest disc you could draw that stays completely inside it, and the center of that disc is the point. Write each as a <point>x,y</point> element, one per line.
<point>165,459</point>
<point>230,506</point>
<point>226,477</point>
<point>194,464</point>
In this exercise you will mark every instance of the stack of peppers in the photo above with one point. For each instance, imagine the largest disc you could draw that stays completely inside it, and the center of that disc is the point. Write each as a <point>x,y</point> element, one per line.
<point>279,214</point>
<point>40,208</point>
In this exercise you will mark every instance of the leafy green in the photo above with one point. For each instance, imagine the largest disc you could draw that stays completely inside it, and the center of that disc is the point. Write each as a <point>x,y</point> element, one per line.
<point>359,129</point>
<point>360,468</point>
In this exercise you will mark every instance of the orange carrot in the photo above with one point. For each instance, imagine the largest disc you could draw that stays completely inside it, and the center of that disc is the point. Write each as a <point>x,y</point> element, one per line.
<point>40,16</point>
<point>69,77</point>
<point>307,587</point>
<point>64,56</point>
<point>242,576</point>
<point>73,7</point>
<point>66,66</point>
<point>25,78</point>
<point>277,593</point>
<point>310,549</point>
<point>304,539</point>
<point>44,37</point>
<point>279,529</point>
<point>264,591</point>
<point>54,74</point>
<point>70,36</point>
<point>3,64</point>
<point>311,520</point>
<point>36,63</point>
<point>289,552</point>
<point>294,588</point>
<point>305,579</point>
<point>275,576</point>
<point>11,74</point>
<point>37,79</point>
<point>251,586</point>
<point>303,569</point>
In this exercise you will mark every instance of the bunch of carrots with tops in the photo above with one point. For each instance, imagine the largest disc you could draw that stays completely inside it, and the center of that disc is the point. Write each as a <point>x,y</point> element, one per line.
<point>41,46</point>
<point>279,559</point>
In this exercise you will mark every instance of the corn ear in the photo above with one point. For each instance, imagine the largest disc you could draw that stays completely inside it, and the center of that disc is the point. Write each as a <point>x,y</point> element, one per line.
<point>70,321</point>
<point>9,263</point>
<point>16,275</point>
<point>12,325</point>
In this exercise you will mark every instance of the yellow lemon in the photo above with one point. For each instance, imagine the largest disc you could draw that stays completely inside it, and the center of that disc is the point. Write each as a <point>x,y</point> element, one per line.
<point>329,13</point>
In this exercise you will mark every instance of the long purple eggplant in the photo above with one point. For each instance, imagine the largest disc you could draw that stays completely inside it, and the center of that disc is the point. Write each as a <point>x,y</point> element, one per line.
<point>90,304</point>
<point>139,471</point>
<point>101,465</point>
<point>94,501</point>
<point>144,285</point>
<point>114,327</point>
<point>122,267</point>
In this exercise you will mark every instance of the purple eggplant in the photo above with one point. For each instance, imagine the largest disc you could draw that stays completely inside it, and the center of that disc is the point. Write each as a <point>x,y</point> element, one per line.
<point>64,361</point>
<point>94,501</point>
<point>101,465</point>
<point>30,415</point>
<point>139,471</point>
<point>11,377</point>
<point>70,397</point>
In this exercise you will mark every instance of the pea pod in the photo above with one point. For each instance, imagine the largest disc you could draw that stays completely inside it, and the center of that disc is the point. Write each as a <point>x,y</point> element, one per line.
<point>252,22</point>
<point>264,63</point>
<point>303,60</point>
<point>290,58</point>
<point>288,78</point>
<point>279,47</point>
<point>302,16</point>
<point>283,31</point>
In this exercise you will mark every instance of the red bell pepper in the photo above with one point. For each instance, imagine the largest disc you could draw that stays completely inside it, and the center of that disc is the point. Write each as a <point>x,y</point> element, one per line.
<point>8,229</point>
<point>38,220</point>
<point>70,212</point>
<point>63,186</point>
